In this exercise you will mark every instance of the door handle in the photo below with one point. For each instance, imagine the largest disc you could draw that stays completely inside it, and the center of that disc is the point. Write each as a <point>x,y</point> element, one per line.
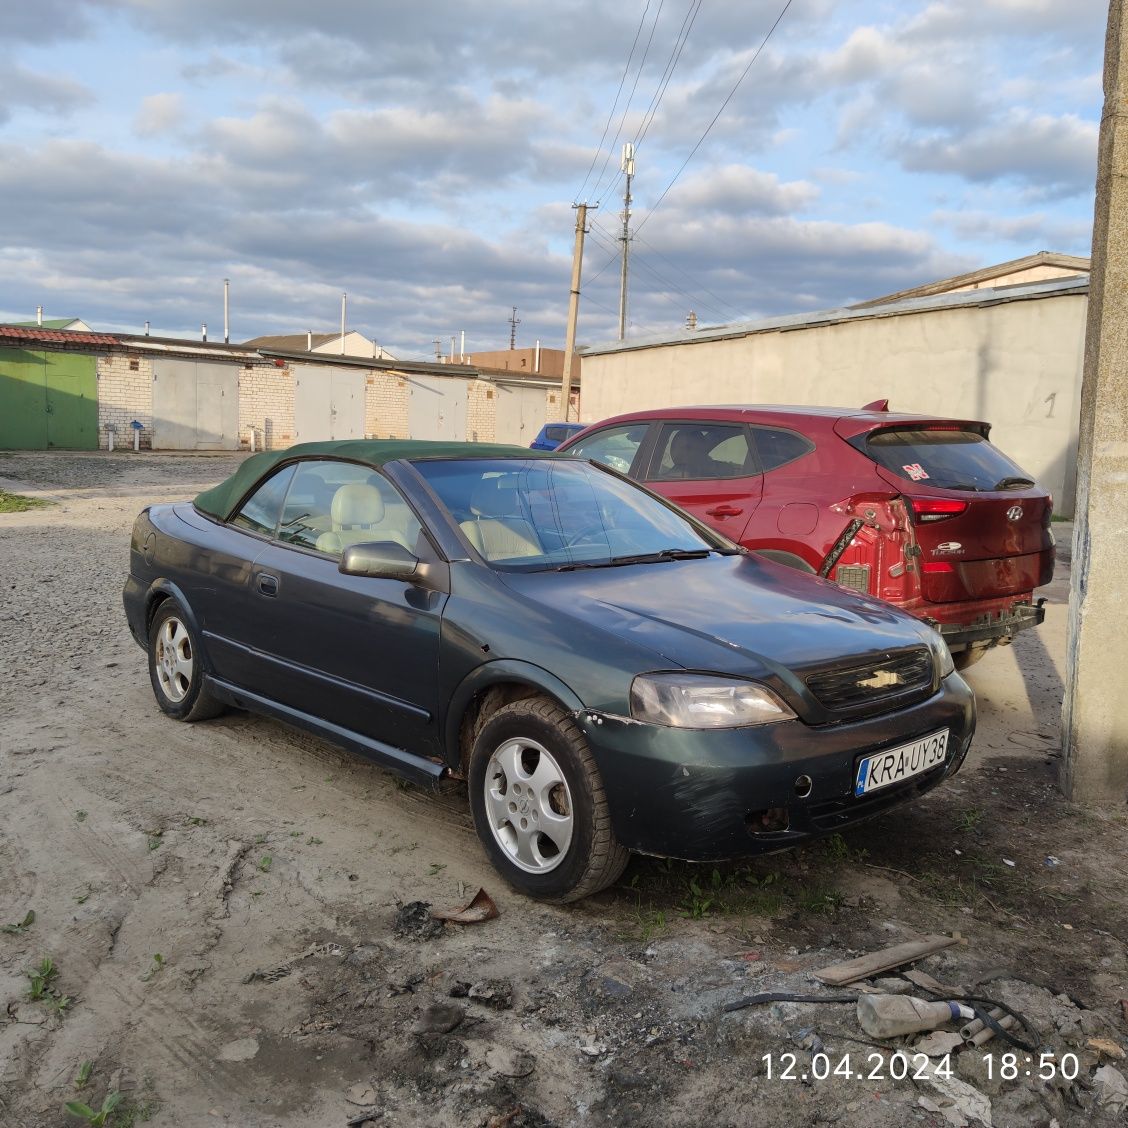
<point>724,511</point>
<point>267,585</point>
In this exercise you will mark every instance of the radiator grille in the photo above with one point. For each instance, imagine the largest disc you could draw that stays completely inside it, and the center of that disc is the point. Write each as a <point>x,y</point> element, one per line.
<point>885,683</point>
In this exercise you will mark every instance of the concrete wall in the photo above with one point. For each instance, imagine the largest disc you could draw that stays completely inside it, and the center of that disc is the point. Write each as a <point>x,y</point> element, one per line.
<point>1015,364</point>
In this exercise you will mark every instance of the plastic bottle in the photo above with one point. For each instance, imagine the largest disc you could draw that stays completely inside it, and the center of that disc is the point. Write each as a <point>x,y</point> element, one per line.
<point>888,1016</point>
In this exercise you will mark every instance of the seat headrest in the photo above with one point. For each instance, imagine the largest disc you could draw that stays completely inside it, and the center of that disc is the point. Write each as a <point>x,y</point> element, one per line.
<point>357,504</point>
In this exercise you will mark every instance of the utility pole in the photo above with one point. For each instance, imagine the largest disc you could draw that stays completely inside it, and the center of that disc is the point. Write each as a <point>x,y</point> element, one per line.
<point>344,306</point>
<point>574,304</point>
<point>514,321</point>
<point>438,349</point>
<point>627,165</point>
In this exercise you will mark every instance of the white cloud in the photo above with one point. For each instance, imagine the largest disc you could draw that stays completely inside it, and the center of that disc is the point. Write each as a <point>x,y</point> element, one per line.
<point>158,113</point>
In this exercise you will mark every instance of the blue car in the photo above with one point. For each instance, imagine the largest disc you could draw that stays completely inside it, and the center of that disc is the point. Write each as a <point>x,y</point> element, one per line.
<point>553,434</point>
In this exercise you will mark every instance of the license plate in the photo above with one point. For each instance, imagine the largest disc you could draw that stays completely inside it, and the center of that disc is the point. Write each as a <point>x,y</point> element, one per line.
<point>883,769</point>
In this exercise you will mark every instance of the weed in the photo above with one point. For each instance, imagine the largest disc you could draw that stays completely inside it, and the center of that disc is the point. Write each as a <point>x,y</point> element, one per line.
<point>195,820</point>
<point>82,898</point>
<point>157,964</point>
<point>296,833</point>
<point>260,839</point>
<point>41,978</point>
<point>265,862</point>
<point>404,849</point>
<point>969,820</point>
<point>401,783</point>
<point>94,1119</point>
<point>83,1074</point>
<point>17,503</point>
<point>436,868</point>
<point>80,816</point>
<point>820,900</point>
<point>23,926</point>
<point>311,841</point>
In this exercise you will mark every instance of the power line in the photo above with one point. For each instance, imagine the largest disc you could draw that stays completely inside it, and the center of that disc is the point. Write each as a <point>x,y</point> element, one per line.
<point>611,112</point>
<point>716,116</point>
<point>627,107</point>
<point>689,277</point>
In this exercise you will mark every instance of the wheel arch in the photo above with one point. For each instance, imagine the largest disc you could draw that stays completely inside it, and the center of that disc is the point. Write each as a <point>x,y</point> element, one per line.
<point>490,687</point>
<point>161,591</point>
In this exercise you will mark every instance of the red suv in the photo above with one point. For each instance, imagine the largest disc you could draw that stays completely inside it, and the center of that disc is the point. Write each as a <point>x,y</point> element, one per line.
<point>922,512</point>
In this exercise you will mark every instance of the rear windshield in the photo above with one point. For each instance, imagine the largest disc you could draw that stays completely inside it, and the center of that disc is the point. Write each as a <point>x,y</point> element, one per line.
<point>950,460</point>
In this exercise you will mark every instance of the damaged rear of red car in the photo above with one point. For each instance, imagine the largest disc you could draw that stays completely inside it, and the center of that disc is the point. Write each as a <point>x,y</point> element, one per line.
<point>921,511</point>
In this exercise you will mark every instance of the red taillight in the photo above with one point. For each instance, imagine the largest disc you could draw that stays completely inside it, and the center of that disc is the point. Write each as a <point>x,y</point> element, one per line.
<point>927,509</point>
<point>937,568</point>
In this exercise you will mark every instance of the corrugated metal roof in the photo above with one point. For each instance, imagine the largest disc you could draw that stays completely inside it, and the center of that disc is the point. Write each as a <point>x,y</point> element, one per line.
<point>1051,288</point>
<point>56,336</point>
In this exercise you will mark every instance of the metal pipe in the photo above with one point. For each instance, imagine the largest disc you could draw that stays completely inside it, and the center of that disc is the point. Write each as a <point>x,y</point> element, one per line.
<point>452,350</point>
<point>226,310</point>
<point>344,303</point>
<point>110,438</point>
<point>536,358</point>
<point>309,340</point>
<point>136,440</point>
<point>204,331</point>
<point>462,348</point>
<point>39,315</point>
<point>146,328</point>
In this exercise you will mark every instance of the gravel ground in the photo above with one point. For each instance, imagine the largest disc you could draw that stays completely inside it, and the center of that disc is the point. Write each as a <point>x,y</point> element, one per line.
<point>222,905</point>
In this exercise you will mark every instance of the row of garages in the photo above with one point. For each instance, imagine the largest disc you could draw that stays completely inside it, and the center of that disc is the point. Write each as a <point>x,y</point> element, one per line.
<point>81,391</point>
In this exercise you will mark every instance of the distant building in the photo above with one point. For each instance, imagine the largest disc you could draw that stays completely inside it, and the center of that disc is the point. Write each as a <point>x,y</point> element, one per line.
<point>64,324</point>
<point>548,364</point>
<point>329,344</point>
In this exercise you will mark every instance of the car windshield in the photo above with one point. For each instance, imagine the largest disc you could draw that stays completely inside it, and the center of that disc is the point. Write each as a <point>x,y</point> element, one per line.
<point>538,514</point>
<point>948,459</point>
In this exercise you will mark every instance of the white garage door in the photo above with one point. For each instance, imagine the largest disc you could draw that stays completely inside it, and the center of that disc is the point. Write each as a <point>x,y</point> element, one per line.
<point>521,413</point>
<point>436,408</point>
<point>195,405</point>
<point>328,403</point>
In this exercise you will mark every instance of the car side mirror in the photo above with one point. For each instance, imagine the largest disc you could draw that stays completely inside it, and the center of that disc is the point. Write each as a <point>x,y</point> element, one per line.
<point>385,560</point>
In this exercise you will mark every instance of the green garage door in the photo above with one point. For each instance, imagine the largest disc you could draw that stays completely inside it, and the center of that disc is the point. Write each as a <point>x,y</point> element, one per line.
<point>48,400</point>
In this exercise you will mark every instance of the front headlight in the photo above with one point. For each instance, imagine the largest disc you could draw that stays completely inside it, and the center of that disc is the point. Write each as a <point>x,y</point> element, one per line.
<point>702,701</point>
<point>943,656</point>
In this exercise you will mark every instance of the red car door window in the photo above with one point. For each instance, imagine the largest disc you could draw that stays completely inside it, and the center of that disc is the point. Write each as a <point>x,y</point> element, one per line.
<point>613,446</point>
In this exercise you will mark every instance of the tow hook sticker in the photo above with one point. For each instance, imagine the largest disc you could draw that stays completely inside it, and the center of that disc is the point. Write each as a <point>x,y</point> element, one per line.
<point>915,471</point>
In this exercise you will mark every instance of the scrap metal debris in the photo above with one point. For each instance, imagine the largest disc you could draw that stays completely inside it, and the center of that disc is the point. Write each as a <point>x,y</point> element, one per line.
<point>479,908</point>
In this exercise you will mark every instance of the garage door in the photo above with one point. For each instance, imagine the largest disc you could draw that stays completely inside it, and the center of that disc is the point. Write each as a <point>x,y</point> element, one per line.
<point>521,413</point>
<point>48,400</point>
<point>436,408</point>
<point>195,405</point>
<point>328,403</point>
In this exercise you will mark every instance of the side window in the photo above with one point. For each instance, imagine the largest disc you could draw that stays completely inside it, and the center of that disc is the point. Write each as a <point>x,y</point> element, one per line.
<point>332,505</point>
<point>703,451</point>
<point>615,447</point>
<point>776,448</point>
<point>260,512</point>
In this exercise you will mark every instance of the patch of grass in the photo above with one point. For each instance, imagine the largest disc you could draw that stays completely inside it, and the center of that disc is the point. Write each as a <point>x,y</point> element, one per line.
<point>18,503</point>
<point>265,862</point>
<point>195,820</point>
<point>21,926</point>
<point>83,1074</point>
<point>695,892</point>
<point>820,899</point>
<point>95,1118</point>
<point>80,816</point>
<point>41,986</point>
<point>311,841</point>
<point>436,869</point>
<point>157,964</point>
<point>969,820</point>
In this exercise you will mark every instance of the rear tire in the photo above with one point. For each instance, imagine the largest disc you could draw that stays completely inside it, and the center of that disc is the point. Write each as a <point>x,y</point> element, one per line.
<point>176,666</point>
<point>539,806</point>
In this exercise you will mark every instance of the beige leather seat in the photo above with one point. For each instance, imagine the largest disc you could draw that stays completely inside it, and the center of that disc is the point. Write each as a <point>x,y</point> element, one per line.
<point>357,512</point>
<point>498,535</point>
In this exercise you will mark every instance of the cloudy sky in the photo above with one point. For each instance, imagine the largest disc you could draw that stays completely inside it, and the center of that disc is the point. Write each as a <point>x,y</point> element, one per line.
<point>425,157</point>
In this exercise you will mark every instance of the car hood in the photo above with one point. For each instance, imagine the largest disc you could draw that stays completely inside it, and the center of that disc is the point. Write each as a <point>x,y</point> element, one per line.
<point>738,615</point>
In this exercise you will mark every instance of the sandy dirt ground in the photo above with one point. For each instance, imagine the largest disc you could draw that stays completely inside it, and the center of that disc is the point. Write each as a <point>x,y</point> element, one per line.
<point>222,907</point>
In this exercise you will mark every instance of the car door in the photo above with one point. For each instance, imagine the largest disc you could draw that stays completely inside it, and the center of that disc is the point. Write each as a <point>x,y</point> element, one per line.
<point>709,469</point>
<point>358,652</point>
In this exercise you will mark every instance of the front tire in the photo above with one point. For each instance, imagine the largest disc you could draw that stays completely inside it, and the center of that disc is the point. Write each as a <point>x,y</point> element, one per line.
<point>176,667</point>
<point>538,803</point>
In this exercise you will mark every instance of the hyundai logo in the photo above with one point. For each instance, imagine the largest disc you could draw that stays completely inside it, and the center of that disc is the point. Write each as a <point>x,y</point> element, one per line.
<point>1014,513</point>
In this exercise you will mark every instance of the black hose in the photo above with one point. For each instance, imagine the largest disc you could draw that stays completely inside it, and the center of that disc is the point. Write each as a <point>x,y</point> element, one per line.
<point>786,997</point>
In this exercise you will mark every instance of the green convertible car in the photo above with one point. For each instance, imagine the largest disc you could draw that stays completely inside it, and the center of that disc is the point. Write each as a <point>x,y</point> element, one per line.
<point>606,673</point>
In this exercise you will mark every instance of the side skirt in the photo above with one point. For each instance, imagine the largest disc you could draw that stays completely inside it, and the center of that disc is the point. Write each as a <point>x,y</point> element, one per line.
<point>416,768</point>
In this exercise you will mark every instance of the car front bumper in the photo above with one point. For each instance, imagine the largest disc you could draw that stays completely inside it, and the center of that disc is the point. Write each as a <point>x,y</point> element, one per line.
<point>705,795</point>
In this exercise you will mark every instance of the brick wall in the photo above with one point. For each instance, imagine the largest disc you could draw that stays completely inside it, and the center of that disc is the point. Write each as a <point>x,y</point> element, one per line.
<point>385,406</point>
<point>125,393</point>
<point>266,404</point>
<point>481,412</point>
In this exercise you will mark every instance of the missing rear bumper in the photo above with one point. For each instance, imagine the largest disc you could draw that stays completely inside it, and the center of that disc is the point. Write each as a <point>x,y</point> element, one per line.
<point>993,630</point>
